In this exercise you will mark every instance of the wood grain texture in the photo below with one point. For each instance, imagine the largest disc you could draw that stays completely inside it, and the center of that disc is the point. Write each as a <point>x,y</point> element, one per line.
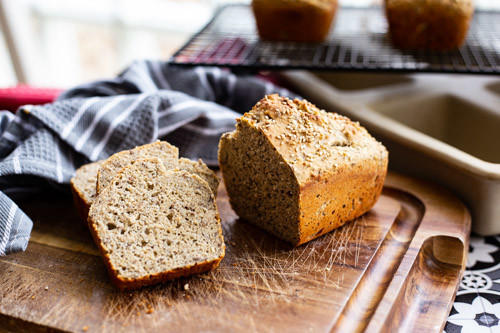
<point>396,268</point>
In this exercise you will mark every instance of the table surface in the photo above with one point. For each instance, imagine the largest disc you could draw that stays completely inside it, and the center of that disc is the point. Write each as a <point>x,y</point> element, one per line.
<point>477,305</point>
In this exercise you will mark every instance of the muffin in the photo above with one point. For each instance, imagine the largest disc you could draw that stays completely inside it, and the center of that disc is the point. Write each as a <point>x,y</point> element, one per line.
<point>294,20</point>
<point>428,24</point>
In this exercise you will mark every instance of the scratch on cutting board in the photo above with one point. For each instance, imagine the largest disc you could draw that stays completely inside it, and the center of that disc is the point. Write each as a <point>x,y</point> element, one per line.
<point>18,298</point>
<point>259,273</point>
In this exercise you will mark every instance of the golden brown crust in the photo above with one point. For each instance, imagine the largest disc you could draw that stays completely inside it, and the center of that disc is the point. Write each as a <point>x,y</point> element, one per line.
<point>428,24</point>
<point>82,207</point>
<point>83,188</point>
<point>301,21</point>
<point>330,201</point>
<point>311,140</point>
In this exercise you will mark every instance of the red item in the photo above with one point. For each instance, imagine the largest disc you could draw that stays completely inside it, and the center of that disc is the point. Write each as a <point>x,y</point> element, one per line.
<point>12,98</point>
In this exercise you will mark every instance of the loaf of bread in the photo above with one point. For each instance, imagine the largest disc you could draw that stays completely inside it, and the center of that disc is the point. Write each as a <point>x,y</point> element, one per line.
<point>428,24</point>
<point>152,224</point>
<point>83,188</point>
<point>299,172</point>
<point>167,153</point>
<point>294,20</point>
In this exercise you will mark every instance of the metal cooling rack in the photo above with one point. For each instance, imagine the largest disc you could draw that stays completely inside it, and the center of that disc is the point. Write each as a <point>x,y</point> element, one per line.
<point>358,41</point>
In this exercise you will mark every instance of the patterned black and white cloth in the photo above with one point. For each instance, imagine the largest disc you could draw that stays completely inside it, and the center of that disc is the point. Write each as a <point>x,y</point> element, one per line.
<point>43,145</point>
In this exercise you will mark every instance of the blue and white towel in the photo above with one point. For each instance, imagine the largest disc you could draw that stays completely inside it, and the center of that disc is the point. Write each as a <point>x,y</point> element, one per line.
<point>44,145</point>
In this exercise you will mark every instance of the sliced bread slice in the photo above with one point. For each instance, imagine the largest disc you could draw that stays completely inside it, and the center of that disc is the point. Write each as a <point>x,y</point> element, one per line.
<point>202,170</point>
<point>152,224</point>
<point>84,183</point>
<point>83,188</point>
<point>167,153</point>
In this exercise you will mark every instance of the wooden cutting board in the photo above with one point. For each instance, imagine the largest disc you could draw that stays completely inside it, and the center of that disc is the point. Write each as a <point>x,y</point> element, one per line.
<point>397,268</point>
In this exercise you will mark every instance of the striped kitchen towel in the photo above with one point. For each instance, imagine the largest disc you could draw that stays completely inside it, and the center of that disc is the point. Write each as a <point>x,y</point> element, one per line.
<point>43,145</point>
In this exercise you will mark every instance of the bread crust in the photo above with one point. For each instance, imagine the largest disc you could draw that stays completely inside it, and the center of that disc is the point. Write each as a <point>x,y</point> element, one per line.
<point>201,170</point>
<point>83,177</point>
<point>81,206</point>
<point>301,21</point>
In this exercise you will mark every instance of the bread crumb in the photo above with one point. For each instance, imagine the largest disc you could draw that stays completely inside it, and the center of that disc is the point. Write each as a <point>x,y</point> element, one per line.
<point>149,311</point>
<point>33,297</point>
<point>138,313</point>
<point>186,286</point>
<point>327,269</point>
<point>46,287</point>
<point>85,328</point>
